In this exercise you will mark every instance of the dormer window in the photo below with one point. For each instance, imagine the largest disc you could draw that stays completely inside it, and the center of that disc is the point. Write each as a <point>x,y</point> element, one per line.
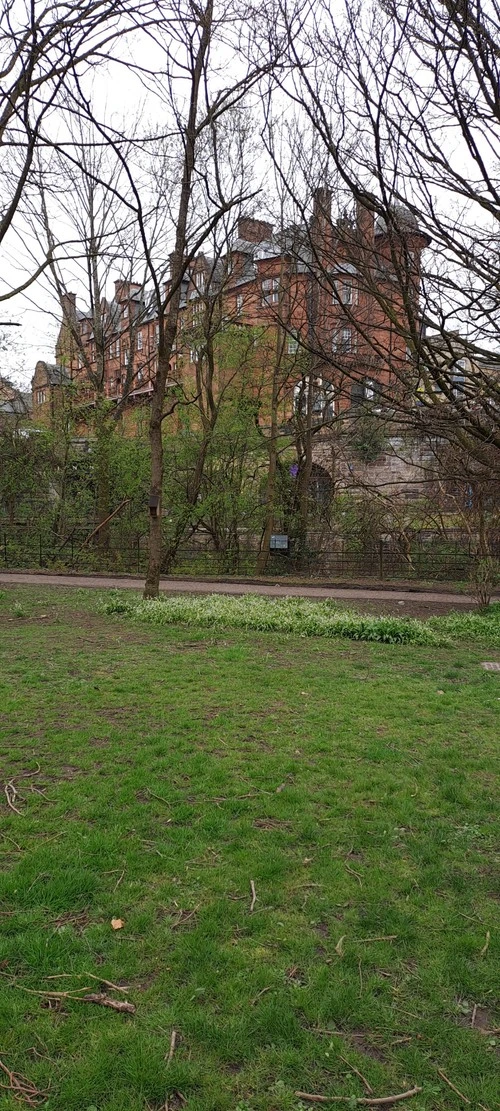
<point>125,312</point>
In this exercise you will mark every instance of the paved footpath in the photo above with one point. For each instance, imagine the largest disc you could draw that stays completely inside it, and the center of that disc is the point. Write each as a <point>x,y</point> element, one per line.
<point>273,590</point>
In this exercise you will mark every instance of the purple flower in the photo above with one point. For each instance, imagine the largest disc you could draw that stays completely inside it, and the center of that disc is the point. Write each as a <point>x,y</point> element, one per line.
<point>294,470</point>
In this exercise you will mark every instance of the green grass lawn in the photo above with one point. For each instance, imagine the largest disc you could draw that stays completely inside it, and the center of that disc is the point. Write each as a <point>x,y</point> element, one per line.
<point>350,786</point>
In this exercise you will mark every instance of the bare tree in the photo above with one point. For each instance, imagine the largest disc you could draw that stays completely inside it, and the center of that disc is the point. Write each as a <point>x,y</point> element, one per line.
<point>45,54</point>
<point>398,107</point>
<point>96,344</point>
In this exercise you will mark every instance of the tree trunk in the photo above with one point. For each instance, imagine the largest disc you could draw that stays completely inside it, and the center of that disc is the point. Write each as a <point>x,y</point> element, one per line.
<point>103,481</point>
<point>152,584</point>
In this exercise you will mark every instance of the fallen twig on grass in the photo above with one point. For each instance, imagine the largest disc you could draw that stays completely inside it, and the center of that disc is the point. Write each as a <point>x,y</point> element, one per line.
<point>486,944</point>
<point>11,839</point>
<point>259,993</point>
<point>159,797</point>
<point>21,1088</point>
<point>474,1013</point>
<point>11,794</point>
<point>119,880</point>
<point>171,1051</point>
<point>105,1001</point>
<point>452,1086</point>
<point>28,775</point>
<point>254,896</point>
<point>353,873</point>
<point>184,917</point>
<point>366,1101</point>
<point>382,937</point>
<point>91,997</point>
<point>87,976</point>
<point>363,1079</point>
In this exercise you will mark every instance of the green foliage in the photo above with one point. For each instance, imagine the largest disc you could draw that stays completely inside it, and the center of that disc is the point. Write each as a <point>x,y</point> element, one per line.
<point>485,579</point>
<point>287,615</point>
<point>307,619</point>
<point>367,435</point>
<point>484,627</point>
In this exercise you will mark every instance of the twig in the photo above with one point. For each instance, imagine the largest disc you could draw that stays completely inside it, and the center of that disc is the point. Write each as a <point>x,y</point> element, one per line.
<point>353,873</point>
<point>86,976</point>
<point>452,1086</point>
<point>486,944</point>
<point>259,993</point>
<point>364,1100</point>
<point>21,1088</point>
<point>382,937</point>
<point>254,896</point>
<point>363,1079</point>
<point>11,839</point>
<point>91,997</point>
<point>474,1013</point>
<point>184,917</point>
<point>28,775</point>
<point>360,980</point>
<point>104,1001</point>
<point>170,1054</point>
<point>159,797</point>
<point>10,794</point>
<point>40,791</point>
<point>118,882</point>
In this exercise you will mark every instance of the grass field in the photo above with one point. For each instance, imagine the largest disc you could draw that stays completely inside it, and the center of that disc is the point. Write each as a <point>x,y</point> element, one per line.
<point>298,839</point>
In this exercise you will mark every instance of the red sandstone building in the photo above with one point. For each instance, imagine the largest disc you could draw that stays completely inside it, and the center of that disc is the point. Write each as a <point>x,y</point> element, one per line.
<point>325,306</point>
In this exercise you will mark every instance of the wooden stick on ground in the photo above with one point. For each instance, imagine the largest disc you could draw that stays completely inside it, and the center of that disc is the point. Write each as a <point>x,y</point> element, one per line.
<point>86,976</point>
<point>91,997</point>
<point>363,1079</point>
<point>452,1086</point>
<point>254,895</point>
<point>21,1088</point>
<point>365,1101</point>
<point>170,1054</point>
<point>10,794</point>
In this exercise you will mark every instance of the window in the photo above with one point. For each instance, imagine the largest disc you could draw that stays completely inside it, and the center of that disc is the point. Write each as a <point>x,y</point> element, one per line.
<point>200,282</point>
<point>157,334</point>
<point>457,379</point>
<point>194,355</point>
<point>125,312</point>
<point>270,291</point>
<point>139,341</point>
<point>197,311</point>
<point>125,356</point>
<point>239,304</point>
<point>117,348</point>
<point>41,397</point>
<point>292,343</point>
<point>365,391</point>
<point>320,395</point>
<point>343,341</point>
<point>345,292</point>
